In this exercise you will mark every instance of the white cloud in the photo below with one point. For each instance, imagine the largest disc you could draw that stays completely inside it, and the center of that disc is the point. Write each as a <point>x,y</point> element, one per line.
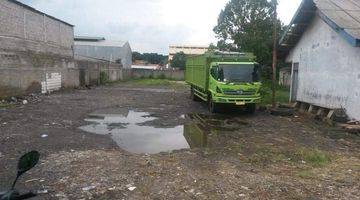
<point>149,25</point>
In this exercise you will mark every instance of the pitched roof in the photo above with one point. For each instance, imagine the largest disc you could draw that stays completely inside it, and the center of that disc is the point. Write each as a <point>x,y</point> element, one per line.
<point>341,15</point>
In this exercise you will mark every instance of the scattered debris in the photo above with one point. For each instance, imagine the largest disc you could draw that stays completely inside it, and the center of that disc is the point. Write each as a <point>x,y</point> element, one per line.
<point>130,187</point>
<point>355,129</point>
<point>284,112</point>
<point>353,122</point>
<point>340,116</point>
<point>13,99</point>
<point>31,180</point>
<point>112,188</point>
<point>244,188</point>
<point>88,188</point>
<point>25,102</point>
<point>42,192</point>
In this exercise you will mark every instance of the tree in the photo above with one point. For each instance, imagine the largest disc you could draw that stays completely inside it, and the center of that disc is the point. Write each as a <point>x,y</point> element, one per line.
<point>247,25</point>
<point>152,58</point>
<point>212,47</point>
<point>136,56</point>
<point>179,60</point>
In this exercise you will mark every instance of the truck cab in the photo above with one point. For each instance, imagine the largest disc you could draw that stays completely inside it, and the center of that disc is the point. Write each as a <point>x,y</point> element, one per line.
<point>235,83</point>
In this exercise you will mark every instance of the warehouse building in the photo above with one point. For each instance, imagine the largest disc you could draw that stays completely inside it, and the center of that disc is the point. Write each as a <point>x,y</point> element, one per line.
<point>100,48</point>
<point>322,44</point>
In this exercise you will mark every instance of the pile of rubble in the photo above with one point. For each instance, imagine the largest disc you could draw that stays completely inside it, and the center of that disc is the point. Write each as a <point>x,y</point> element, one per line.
<point>31,98</point>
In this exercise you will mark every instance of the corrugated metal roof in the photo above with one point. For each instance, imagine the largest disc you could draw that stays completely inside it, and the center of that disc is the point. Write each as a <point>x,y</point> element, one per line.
<point>341,15</point>
<point>102,43</point>
<point>37,11</point>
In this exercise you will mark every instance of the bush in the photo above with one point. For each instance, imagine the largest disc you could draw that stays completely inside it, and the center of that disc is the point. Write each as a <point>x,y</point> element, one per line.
<point>162,76</point>
<point>104,78</point>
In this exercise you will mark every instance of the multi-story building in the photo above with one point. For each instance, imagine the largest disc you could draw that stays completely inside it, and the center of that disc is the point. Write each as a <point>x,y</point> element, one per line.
<point>187,49</point>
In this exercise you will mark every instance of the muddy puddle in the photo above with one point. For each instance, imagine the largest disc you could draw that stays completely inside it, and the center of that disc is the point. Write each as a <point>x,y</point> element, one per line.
<point>133,132</point>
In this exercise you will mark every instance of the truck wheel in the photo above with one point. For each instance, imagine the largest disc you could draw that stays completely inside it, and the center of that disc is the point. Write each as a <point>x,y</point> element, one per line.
<point>213,107</point>
<point>251,108</point>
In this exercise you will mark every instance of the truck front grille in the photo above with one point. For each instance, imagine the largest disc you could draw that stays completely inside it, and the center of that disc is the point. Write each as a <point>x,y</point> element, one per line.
<point>240,92</point>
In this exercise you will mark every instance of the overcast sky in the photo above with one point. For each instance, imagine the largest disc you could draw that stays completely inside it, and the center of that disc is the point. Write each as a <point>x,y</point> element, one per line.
<point>149,25</point>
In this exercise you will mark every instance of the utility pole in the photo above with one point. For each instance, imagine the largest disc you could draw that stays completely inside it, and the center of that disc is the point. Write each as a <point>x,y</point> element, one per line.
<point>274,63</point>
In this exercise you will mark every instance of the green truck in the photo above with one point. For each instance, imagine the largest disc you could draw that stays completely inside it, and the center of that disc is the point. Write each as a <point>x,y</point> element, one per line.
<point>224,78</point>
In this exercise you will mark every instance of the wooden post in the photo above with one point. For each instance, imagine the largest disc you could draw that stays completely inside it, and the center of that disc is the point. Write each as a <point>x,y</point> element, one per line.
<point>274,63</point>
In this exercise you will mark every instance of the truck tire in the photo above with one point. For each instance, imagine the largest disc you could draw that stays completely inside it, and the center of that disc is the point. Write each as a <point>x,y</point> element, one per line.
<point>213,107</point>
<point>251,108</point>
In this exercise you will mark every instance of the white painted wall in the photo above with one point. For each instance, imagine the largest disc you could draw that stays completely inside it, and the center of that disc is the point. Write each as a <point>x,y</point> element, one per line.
<point>329,69</point>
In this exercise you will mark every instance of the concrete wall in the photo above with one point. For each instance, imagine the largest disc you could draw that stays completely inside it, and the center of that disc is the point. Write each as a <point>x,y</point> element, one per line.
<point>329,72</point>
<point>24,72</point>
<point>23,29</point>
<point>90,72</point>
<point>169,74</point>
<point>27,72</point>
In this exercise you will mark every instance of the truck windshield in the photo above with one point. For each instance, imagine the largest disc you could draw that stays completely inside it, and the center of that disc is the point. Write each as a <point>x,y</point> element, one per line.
<point>238,73</point>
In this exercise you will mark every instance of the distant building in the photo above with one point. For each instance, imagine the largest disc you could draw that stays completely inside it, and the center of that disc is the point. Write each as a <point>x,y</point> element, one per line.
<point>187,49</point>
<point>100,48</point>
<point>153,67</point>
<point>322,44</point>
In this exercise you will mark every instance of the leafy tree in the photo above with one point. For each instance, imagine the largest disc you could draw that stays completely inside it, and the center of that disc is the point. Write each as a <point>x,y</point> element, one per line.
<point>212,47</point>
<point>152,58</point>
<point>179,60</point>
<point>136,56</point>
<point>247,25</point>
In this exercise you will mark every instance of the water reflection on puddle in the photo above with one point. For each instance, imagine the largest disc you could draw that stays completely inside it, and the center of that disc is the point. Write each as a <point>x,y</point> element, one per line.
<point>131,132</point>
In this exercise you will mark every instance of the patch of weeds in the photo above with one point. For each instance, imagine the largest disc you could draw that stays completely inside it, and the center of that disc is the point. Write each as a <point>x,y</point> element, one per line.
<point>313,157</point>
<point>5,105</point>
<point>307,174</point>
<point>264,156</point>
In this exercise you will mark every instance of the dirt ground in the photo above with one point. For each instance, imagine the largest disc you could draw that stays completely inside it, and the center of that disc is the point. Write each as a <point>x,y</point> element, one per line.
<point>233,156</point>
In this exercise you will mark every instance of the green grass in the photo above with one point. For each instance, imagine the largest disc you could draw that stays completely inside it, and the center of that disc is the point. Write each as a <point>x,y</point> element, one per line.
<point>154,82</point>
<point>313,157</point>
<point>282,94</point>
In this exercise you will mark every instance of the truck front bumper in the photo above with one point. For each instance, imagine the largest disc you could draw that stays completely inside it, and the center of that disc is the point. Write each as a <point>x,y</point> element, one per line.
<point>237,100</point>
